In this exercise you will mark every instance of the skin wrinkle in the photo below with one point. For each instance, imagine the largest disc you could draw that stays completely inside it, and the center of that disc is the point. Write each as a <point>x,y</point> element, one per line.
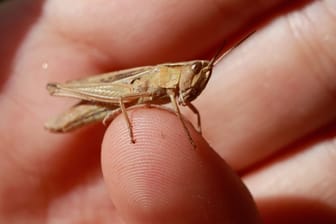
<point>329,56</point>
<point>330,9</point>
<point>316,44</point>
<point>298,156</point>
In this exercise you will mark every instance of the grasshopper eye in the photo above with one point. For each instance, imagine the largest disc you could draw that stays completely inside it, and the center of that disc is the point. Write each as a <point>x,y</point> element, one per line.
<point>196,67</point>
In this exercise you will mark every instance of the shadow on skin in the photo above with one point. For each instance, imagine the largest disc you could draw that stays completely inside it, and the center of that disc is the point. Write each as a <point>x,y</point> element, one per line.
<point>295,210</point>
<point>17,18</point>
<point>76,163</point>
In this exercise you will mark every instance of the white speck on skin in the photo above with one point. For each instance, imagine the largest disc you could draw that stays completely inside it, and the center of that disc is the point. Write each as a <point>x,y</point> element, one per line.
<point>45,65</point>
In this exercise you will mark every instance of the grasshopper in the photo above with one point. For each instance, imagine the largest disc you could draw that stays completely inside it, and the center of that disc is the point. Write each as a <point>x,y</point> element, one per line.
<point>104,95</point>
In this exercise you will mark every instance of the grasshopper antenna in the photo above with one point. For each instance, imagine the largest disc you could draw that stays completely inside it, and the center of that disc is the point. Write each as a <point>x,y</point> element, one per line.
<point>219,57</point>
<point>214,60</point>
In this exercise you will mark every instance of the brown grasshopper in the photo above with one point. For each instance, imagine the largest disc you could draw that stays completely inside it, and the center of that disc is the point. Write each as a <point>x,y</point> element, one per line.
<point>104,95</point>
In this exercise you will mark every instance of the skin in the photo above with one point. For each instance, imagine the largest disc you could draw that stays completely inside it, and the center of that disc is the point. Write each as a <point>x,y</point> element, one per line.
<point>268,114</point>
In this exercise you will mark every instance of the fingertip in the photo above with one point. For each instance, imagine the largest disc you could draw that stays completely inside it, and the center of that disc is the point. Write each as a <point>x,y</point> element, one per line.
<point>163,179</point>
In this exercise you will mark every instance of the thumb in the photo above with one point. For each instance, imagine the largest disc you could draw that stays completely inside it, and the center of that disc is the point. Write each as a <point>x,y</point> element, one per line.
<point>163,179</point>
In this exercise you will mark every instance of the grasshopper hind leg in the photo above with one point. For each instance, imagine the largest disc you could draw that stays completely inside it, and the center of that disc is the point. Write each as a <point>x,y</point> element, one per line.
<point>124,112</point>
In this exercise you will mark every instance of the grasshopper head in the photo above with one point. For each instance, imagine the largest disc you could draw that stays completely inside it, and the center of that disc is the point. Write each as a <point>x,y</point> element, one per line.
<point>194,80</point>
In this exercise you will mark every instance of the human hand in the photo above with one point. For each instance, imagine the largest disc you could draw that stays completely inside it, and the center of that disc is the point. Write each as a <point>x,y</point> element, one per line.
<point>277,95</point>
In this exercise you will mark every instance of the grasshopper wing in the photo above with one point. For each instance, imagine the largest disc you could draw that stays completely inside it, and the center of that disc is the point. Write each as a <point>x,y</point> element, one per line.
<point>106,88</point>
<point>79,115</point>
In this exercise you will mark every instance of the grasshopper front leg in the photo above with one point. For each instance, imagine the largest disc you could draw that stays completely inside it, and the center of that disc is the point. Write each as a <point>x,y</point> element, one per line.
<point>195,111</point>
<point>172,96</point>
